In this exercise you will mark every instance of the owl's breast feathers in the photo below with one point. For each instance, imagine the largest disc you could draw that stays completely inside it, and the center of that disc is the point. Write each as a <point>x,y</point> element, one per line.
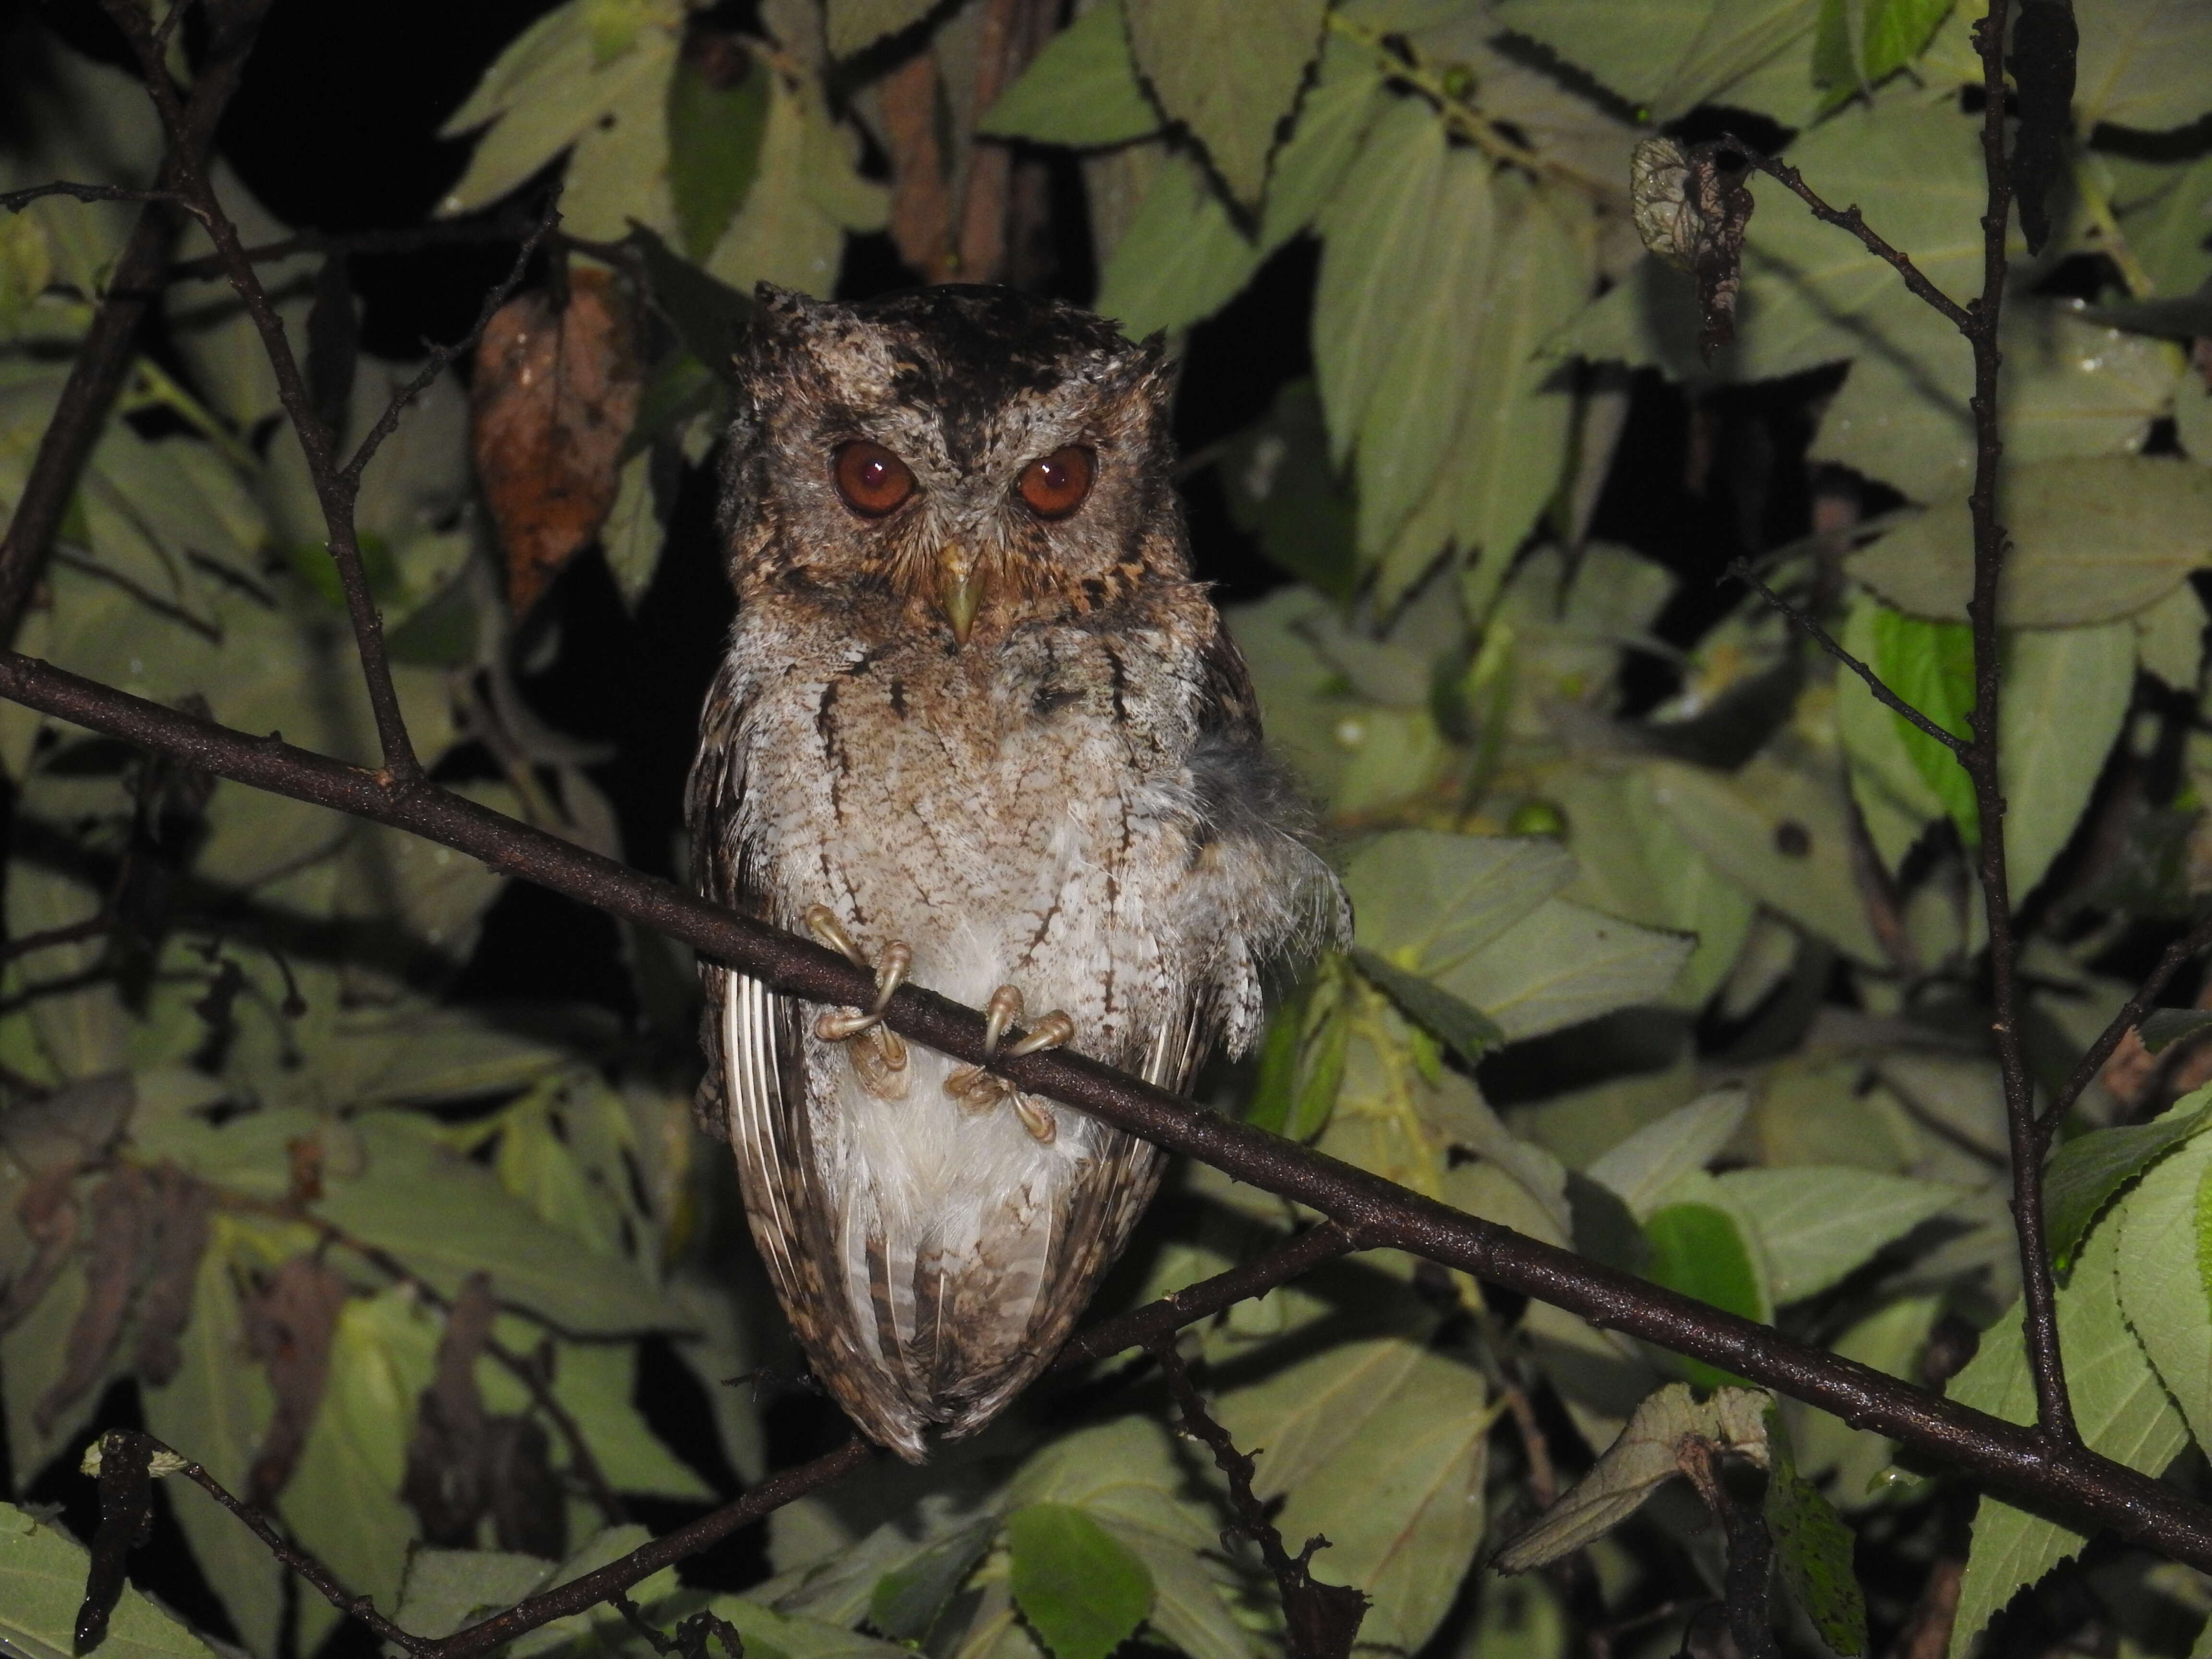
<point>1080,810</point>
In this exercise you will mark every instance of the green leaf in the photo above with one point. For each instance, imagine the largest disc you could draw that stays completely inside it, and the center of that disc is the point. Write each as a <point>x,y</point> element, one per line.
<point>907,1601</point>
<point>1334,117</point>
<point>709,314</point>
<point>1815,1225</point>
<point>1644,1456</point>
<point>1565,963</point>
<point>2163,1289</point>
<point>1665,55</point>
<point>854,25</point>
<point>1469,1032</point>
<point>1643,1168</point>
<point>1082,89</point>
<point>445,1589</point>
<point>42,1574</point>
<point>713,146</point>
<point>1181,260</point>
<point>1779,830</point>
<point>2066,694</point>
<point>1380,1445</point>
<point>1229,72</point>
<point>2070,387</point>
<point>447,1217</point>
<point>1082,1590</point>
<point>1430,901</point>
<point>2122,1409</point>
<point>2093,540</point>
<point>633,534</point>
<point>2164,1026</point>
<point>2142,65</point>
<point>1931,665</point>
<point>1697,1249</point>
<point>1282,491</point>
<point>2085,1173</point>
<point>1813,1546</point>
<point>1374,235</point>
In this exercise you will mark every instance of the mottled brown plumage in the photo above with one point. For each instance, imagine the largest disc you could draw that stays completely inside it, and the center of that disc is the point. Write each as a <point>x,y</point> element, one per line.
<point>1014,740</point>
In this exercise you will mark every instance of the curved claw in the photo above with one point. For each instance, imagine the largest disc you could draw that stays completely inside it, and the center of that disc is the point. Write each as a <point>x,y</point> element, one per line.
<point>877,1052</point>
<point>1053,1032</point>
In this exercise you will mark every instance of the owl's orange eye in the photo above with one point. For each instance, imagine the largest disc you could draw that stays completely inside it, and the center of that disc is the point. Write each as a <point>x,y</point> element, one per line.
<point>1055,486</point>
<point>872,479</point>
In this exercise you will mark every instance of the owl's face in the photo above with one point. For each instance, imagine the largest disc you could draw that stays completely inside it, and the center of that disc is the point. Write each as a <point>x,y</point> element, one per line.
<point>980,456</point>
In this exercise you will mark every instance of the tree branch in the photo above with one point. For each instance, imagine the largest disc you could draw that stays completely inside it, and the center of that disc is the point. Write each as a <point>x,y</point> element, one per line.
<point>336,487</point>
<point>2025,1467</point>
<point>103,359</point>
<point>14,201</point>
<point>2145,998</point>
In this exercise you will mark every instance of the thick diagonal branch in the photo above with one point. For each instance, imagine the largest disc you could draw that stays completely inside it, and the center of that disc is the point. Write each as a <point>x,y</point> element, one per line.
<point>2025,1467</point>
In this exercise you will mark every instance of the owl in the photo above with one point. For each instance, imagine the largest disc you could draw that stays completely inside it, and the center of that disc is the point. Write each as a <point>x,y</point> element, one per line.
<point>976,726</point>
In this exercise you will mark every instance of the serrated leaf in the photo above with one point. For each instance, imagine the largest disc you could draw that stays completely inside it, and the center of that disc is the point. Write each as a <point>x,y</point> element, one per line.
<point>1813,1547</point>
<point>2122,1410</point>
<point>1667,55</point>
<point>1469,1032</point>
<point>2066,694</point>
<point>2085,1173</point>
<point>1638,1462</point>
<point>907,1601</point>
<point>1815,1225</point>
<point>1333,119</point>
<point>42,1574</point>
<point>2093,540</point>
<point>2159,1270</point>
<point>1373,235</point>
<point>1229,72</point>
<point>1082,89</point>
<point>1083,1591</point>
<point>1643,1168</point>
<point>1181,259</point>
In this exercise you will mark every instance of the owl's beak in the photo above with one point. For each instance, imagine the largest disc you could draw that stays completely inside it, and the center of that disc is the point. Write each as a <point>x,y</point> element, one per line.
<point>959,588</point>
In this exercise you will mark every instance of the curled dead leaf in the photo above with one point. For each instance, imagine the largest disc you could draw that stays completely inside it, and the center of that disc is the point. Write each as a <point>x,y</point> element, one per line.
<point>555,393</point>
<point>288,1327</point>
<point>121,1248</point>
<point>181,1206</point>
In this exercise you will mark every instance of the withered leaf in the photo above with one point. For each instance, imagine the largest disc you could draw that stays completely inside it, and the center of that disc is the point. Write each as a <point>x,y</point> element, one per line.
<point>445,1482</point>
<point>71,1128</point>
<point>555,395</point>
<point>121,1247</point>
<point>180,1210</point>
<point>288,1327</point>
<point>48,1213</point>
<point>1690,207</point>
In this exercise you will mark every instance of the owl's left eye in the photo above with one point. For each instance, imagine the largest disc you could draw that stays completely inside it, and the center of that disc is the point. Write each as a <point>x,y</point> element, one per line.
<point>1055,486</point>
<point>872,480</point>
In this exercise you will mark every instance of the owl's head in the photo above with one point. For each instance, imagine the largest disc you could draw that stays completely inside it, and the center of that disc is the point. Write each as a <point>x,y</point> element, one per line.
<point>983,456</point>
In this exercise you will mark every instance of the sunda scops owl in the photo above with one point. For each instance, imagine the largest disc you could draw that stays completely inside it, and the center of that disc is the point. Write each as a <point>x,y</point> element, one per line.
<point>976,724</point>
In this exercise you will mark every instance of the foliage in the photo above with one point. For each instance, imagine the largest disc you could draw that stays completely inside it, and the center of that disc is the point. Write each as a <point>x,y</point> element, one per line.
<point>1689,983</point>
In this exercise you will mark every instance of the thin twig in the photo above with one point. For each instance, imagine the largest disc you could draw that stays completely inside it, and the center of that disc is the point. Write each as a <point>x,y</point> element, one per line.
<point>335,488</point>
<point>1849,219</point>
<point>14,201</point>
<point>2000,1456</point>
<point>441,357</point>
<point>2054,1411</point>
<point>1742,570</point>
<point>1321,1621</point>
<point>104,355</point>
<point>2130,1015</point>
<point>442,232</point>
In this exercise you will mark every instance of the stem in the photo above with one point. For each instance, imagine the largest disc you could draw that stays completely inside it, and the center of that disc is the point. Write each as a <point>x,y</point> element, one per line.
<point>2054,1411</point>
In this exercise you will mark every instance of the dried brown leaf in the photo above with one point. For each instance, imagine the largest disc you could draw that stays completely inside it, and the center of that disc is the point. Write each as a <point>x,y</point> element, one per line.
<point>446,1483</point>
<point>555,396</point>
<point>49,1216</point>
<point>288,1327</point>
<point>121,1247</point>
<point>180,1210</point>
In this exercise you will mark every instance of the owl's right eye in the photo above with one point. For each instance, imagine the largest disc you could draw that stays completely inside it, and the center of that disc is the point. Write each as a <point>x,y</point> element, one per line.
<point>872,480</point>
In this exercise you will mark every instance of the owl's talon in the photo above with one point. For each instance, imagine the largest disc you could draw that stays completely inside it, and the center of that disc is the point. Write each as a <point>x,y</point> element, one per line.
<point>978,1090</point>
<point>877,1052</point>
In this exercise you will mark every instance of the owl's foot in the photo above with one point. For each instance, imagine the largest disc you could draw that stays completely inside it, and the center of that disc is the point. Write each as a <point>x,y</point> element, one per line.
<point>877,1052</point>
<point>978,1090</point>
